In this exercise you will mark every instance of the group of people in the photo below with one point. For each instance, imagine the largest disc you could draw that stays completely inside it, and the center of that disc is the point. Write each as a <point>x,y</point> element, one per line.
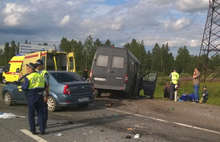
<point>36,87</point>
<point>169,89</point>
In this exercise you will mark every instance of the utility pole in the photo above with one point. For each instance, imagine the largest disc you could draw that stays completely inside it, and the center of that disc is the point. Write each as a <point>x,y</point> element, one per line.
<point>210,46</point>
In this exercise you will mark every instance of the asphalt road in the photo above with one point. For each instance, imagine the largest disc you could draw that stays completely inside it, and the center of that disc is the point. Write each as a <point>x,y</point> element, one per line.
<point>98,123</point>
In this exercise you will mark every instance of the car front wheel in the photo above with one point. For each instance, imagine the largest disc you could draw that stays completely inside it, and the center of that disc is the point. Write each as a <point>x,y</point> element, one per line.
<point>52,104</point>
<point>8,99</point>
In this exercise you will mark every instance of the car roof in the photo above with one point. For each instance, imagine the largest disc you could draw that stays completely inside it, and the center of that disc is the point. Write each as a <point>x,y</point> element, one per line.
<point>60,72</point>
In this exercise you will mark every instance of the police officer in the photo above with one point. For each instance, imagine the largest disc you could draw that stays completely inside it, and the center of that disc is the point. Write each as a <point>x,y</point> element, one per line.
<point>40,65</point>
<point>34,85</point>
<point>174,76</point>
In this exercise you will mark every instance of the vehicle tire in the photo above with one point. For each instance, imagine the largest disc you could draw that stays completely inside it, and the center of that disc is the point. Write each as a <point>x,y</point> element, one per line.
<point>82,105</point>
<point>98,93</point>
<point>130,93</point>
<point>52,104</point>
<point>8,99</point>
<point>4,80</point>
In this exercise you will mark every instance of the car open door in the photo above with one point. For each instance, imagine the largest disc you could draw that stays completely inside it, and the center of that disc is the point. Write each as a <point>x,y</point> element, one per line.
<point>71,62</point>
<point>148,83</point>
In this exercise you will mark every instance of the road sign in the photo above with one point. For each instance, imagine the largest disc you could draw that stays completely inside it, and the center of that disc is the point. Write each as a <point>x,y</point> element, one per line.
<point>29,48</point>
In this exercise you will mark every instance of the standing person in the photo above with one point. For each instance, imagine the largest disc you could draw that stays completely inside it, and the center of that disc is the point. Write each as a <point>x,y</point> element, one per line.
<point>85,74</point>
<point>1,71</point>
<point>167,90</point>
<point>40,66</point>
<point>196,81</point>
<point>174,76</point>
<point>34,85</point>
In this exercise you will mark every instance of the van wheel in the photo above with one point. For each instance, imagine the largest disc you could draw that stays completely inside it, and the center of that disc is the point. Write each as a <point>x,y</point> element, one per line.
<point>8,99</point>
<point>130,93</point>
<point>4,80</point>
<point>52,104</point>
<point>98,93</point>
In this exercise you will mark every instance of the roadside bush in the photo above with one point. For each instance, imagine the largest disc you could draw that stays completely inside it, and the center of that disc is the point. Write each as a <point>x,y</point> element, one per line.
<point>162,81</point>
<point>184,75</point>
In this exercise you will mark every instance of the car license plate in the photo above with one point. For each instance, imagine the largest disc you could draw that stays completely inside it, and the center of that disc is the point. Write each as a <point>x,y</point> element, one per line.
<point>83,99</point>
<point>99,79</point>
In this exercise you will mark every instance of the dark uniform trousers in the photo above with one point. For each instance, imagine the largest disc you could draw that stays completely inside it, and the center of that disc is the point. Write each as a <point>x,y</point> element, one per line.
<point>35,102</point>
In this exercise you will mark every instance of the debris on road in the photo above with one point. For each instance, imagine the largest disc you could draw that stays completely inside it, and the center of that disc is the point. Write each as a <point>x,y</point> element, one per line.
<point>101,131</point>
<point>137,136</point>
<point>129,129</point>
<point>116,116</point>
<point>139,126</point>
<point>109,104</point>
<point>58,135</point>
<point>9,115</point>
<point>127,137</point>
<point>171,108</point>
<point>68,122</point>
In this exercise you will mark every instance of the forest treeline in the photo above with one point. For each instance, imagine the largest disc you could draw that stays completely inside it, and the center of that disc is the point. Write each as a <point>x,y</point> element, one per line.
<point>159,59</point>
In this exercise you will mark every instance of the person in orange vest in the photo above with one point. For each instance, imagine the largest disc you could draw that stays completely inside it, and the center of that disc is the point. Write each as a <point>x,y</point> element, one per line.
<point>174,76</point>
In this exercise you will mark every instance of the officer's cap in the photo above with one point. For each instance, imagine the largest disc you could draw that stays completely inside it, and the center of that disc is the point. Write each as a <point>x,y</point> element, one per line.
<point>32,65</point>
<point>175,69</point>
<point>39,62</point>
<point>205,87</point>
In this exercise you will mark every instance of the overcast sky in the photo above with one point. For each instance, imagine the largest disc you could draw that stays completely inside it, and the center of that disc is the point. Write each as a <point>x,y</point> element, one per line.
<point>178,22</point>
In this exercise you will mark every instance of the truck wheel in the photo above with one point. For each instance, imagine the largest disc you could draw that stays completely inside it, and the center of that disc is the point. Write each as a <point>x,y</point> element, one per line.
<point>98,93</point>
<point>8,99</point>
<point>52,104</point>
<point>4,80</point>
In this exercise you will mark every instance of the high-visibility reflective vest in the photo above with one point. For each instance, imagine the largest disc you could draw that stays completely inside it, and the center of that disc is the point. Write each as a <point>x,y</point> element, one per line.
<point>174,77</point>
<point>43,72</point>
<point>35,80</point>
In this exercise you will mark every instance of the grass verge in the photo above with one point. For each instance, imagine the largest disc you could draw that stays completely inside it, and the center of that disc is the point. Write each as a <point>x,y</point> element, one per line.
<point>187,86</point>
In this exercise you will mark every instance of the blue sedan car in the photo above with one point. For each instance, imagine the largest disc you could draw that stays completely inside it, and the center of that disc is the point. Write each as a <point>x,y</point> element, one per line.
<point>66,88</point>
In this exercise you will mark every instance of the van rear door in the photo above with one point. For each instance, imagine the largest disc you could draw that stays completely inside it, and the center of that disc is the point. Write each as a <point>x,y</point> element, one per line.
<point>148,83</point>
<point>100,69</point>
<point>116,73</point>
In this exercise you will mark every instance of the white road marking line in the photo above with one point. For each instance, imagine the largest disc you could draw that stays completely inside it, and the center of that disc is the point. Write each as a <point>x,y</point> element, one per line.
<point>161,120</point>
<point>37,138</point>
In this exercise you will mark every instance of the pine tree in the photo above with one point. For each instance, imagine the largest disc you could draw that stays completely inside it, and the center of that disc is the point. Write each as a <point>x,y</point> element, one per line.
<point>108,42</point>
<point>7,53</point>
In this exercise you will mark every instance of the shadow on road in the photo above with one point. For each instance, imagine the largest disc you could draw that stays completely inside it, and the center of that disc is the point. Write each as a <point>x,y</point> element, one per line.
<point>69,125</point>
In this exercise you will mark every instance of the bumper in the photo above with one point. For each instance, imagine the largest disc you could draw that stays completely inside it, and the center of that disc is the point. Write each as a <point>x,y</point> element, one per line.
<point>70,100</point>
<point>110,88</point>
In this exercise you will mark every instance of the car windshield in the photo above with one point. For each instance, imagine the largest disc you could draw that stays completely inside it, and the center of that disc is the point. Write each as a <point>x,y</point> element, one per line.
<point>66,76</point>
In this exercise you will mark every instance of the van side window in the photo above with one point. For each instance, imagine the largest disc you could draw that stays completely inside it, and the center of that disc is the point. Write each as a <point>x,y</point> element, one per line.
<point>102,60</point>
<point>150,77</point>
<point>7,68</point>
<point>71,63</point>
<point>118,62</point>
